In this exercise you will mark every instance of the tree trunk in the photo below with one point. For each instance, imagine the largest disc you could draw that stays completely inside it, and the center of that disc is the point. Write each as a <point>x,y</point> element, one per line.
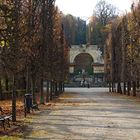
<point>14,100</point>
<point>138,84</point>
<point>47,92</point>
<point>56,92</point>
<point>124,88</point>
<point>118,87</point>
<point>109,87</point>
<point>6,84</point>
<point>119,90</point>
<point>24,83</point>
<point>112,87</point>
<point>59,88</point>
<point>1,95</point>
<point>41,91</point>
<point>27,80</point>
<point>128,88</point>
<point>51,90</point>
<point>63,86</point>
<point>33,90</point>
<point>134,88</point>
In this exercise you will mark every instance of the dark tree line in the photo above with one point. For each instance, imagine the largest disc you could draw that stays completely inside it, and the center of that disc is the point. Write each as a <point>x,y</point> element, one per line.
<point>74,29</point>
<point>33,49</point>
<point>122,53</point>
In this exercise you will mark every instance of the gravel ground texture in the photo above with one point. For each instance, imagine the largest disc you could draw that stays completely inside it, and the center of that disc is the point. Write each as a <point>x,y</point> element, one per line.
<point>87,114</point>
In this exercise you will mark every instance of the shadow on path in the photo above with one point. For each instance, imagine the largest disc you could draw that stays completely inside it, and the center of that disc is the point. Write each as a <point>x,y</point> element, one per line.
<point>89,114</point>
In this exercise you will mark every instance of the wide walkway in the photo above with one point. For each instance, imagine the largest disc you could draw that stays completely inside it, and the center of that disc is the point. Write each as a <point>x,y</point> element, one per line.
<point>88,114</point>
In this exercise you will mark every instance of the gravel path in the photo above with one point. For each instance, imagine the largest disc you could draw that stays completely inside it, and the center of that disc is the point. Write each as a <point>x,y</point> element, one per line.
<point>88,114</point>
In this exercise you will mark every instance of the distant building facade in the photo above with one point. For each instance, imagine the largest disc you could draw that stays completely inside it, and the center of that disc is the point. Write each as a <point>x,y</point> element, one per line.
<point>86,60</point>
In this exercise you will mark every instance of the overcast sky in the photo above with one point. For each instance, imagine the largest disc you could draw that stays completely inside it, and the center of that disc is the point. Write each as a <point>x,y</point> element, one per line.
<point>84,8</point>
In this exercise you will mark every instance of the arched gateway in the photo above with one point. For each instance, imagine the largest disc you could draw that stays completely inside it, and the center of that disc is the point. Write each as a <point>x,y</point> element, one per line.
<point>86,59</point>
<point>83,63</point>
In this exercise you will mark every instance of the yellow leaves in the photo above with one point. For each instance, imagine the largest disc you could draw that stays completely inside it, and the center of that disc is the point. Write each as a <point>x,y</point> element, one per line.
<point>129,47</point>
<point>9,138</point>
<point>3,44</point>
<point>39,133</point>
<point>129,50</point>
<point>132,53</point>
<point>129,27</point>
<point>107,28</point>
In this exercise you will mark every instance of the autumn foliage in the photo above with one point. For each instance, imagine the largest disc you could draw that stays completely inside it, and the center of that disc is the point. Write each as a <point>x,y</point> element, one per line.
<point>33,50</point>
<point>122,53</point>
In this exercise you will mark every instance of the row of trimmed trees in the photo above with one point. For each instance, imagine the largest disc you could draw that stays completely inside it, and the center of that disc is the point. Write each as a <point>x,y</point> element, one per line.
<point>33,50</point>
<point>122,53</point>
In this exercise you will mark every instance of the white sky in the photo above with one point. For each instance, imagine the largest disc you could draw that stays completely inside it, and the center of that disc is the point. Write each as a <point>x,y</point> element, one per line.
<point>84,8</point>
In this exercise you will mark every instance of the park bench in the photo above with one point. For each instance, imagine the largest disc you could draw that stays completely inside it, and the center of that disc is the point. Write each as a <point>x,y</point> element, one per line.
<point>4,119</point>
<point>34,107</point>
